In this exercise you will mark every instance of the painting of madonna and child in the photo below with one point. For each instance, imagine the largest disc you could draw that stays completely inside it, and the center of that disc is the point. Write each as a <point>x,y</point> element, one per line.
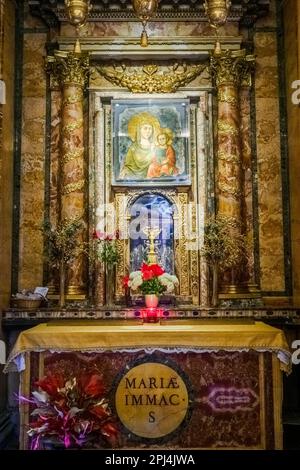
<point>151,142</point>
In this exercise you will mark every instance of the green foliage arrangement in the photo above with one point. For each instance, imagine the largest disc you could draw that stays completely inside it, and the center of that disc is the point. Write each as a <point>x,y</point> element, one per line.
<point>63,242</point>
<point>222,248</point>
<point>63,245</point>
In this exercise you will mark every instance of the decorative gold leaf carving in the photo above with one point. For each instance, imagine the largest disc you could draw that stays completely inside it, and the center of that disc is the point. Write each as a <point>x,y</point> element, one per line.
<point>231,67</point>
<point>152,79</point>
<point>225,128</point>
<point>181,253</point>
<point>230,189</point>
<point>68,157</point>
<point>69,128</point>
<point>76,98</point>
<point>73,187</point>
<point>69,68</point>
<point>225,96</point>
<point>228,157</point>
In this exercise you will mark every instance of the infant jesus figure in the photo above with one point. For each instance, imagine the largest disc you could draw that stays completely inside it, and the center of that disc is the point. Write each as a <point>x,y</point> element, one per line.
<point>164,161</point>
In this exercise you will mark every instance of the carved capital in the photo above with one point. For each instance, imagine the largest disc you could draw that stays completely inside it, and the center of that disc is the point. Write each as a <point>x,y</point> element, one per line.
<point>151,78</point>
<point>69,68</point>
<point>231,67</point>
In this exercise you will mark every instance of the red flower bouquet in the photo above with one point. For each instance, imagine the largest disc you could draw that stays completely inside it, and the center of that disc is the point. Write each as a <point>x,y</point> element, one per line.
<point>151,279</point>
<point>72,412</point>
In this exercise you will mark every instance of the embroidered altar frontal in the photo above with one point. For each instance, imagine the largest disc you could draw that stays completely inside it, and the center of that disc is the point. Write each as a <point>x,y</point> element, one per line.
<point>209,387</point>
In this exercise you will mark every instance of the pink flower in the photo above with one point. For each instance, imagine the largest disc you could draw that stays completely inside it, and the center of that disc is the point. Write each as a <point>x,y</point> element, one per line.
<point>97,235</point>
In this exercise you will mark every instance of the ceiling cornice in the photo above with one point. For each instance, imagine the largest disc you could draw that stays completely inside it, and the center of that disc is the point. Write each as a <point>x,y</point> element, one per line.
<point>246,12</point>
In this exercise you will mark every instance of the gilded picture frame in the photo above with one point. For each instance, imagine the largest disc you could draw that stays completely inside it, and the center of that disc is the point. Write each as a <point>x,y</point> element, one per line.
<point>151,142</point>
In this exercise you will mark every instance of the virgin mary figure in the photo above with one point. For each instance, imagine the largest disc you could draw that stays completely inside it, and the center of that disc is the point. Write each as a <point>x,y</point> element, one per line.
<point>143,129</point>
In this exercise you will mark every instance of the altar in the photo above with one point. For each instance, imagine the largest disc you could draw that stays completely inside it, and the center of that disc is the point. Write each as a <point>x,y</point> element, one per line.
<point>173,384</point>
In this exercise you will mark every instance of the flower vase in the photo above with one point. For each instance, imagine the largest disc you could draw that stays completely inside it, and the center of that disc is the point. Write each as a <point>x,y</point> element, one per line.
<point>151,300</point>
<point>110,285</point>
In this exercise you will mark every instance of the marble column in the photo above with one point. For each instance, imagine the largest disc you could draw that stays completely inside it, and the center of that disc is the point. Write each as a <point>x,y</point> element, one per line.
<point>71,71</point>
<point>227,69</point>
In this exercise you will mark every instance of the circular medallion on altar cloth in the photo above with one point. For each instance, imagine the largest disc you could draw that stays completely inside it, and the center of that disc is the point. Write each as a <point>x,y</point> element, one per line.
<point>152,400</point>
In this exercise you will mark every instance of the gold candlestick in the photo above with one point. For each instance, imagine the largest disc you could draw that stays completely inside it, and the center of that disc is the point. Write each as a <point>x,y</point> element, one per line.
<point>152,233</point>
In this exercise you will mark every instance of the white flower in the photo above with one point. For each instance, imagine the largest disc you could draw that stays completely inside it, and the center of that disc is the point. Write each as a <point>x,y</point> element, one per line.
<point>175,280</point>
<point>135,274</point>
<point>168,281</point>
<point>135,280</point>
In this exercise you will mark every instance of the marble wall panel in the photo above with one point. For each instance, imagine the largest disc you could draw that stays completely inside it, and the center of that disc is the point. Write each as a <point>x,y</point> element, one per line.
<point>247,206</point>
<point>6,154</point>
<point>270,210</point>
<point>292,63</point>
<point>32,162</point>
<point>154,29</point>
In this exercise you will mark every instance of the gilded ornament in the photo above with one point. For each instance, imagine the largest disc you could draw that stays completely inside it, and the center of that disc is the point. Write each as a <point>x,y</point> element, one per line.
<point>145,10</point>
<point>72,155</point>
<point>217,11</point>
<point>225,128</point>
<point>228,157</point>
<point>224,96</point>
<point>76,98</point>
<point>150,69</point>
<point>229,67</point>
<point>182,253</point>
<point>77,11</point>
<point>73,187</point>
<point>73,126</point>
<point>230,189</point>
<point>69,69</point>
<point>122,244</point>
<point>194,260</point>
<point>152,79</point>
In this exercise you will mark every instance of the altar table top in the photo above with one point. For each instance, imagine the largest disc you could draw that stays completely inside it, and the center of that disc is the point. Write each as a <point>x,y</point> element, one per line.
<point>179,336</point>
